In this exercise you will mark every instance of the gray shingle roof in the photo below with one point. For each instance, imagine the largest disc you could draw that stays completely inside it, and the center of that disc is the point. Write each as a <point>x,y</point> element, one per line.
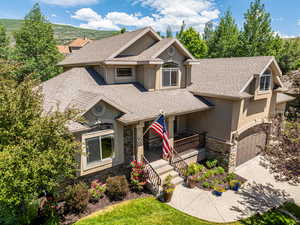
<point>77,87</point>
<point>281,97</point>
<point>100,50</point>
<point>226,76</point>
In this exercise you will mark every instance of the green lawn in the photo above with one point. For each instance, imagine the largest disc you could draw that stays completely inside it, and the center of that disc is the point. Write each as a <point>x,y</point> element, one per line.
<point>148,211</point>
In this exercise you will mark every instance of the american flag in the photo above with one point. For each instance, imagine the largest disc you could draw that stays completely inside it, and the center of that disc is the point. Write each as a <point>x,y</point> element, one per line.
<point>159,126</point>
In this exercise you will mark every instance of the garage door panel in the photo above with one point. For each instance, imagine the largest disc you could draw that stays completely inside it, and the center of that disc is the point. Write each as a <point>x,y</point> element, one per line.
<point>249,145</point>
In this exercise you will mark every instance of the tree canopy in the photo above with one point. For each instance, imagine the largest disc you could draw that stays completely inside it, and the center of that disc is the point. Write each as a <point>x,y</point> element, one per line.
<point>36,47</point>
<point>289,56</point>
<point>257,37</point>
<point>192,40</point>
<point>37,152</point>
<point>223,41</point>
<point>4,42</point>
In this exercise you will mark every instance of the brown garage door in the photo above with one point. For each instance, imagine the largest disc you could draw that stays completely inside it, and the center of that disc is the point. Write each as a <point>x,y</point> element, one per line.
<point>249,145</point>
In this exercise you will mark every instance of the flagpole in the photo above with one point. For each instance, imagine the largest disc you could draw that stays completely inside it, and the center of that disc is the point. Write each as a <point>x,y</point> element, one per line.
<point>148,128</point>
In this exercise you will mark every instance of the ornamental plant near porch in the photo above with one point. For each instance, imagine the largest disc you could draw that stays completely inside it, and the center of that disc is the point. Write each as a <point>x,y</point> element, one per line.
<point>138,176</point>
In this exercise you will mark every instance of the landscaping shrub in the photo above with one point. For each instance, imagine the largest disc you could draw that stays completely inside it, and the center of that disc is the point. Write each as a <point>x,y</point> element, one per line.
<point>206,184</point>
<point>97,190</point>
<point>211,163</point>
<point>77,197</point>
<point>230,177</point>
<point>138,176</point>
<point>117,187</point>
<point>194,168</point>
<point>219,170</point>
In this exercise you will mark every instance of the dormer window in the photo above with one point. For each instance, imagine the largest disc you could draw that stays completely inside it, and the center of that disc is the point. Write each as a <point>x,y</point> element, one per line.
<point>265,81</point>
<point>124,72</point>
<point>170,73</point>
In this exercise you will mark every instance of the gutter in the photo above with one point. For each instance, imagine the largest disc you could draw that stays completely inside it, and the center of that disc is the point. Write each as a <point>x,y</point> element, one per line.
<point>220,96</point>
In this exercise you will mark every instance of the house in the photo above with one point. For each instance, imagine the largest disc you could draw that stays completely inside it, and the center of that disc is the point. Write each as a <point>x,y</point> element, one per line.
<point>121,83</point>
<point>78,43</point>
<point>74,45</point>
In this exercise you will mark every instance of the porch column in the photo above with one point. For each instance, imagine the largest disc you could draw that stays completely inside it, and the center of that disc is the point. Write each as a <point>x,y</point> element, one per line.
<point>171,129</point>
<point>139,141</point>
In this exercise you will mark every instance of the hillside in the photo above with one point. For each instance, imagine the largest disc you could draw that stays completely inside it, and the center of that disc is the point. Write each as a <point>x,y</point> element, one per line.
<point>63,33</point>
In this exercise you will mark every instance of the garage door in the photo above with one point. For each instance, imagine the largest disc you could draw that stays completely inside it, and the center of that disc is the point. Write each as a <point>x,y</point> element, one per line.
<point>249,145</point>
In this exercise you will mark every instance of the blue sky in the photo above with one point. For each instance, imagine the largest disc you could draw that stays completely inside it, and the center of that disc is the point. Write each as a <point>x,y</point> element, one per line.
<point>132,14</point>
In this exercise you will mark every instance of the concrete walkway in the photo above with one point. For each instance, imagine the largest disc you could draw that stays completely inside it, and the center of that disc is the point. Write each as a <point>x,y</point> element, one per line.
<point>260,193</point>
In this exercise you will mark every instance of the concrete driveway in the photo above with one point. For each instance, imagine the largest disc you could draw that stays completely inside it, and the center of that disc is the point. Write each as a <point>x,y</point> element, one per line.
<point>260,193</point>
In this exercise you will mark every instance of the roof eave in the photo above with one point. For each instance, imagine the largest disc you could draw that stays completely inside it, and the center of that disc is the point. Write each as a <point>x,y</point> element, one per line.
<point>230,97</point>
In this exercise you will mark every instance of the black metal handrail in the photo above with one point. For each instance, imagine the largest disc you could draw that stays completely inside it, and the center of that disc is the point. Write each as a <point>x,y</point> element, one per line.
<point>179,164</point>
<point>152,175</point>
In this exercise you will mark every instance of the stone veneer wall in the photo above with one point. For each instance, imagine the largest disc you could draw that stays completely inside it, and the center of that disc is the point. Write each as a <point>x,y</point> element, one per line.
<point>224,152</point>
<point>122,169</point>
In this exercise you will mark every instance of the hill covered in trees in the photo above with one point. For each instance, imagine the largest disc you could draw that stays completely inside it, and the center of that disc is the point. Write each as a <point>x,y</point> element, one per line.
<point>62,33</point>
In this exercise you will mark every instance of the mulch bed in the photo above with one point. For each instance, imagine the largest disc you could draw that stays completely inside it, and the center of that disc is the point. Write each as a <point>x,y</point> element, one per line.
<point>103,203</point>
<point>219,177</point>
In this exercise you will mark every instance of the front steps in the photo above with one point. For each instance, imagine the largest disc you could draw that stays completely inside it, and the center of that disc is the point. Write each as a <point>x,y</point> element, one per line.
<point>163,168</point>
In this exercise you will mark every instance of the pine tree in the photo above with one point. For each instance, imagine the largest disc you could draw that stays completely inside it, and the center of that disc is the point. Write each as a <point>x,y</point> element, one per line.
<point>169,32</point>
<point>257,37</point>
<point>208,31</point>
<point>36,47</point>
<point>192,40</point>
<point>182,28</point>
<point>224,40</point>
<point>4,42</point>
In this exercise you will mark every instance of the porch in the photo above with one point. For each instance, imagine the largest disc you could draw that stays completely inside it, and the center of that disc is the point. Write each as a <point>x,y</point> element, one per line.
<point>187,144</point>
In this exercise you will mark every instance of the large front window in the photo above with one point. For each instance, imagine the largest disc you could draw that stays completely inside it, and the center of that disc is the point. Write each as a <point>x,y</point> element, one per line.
<point>124,72</point>
<point>265,81</point>
<point>170,74</point>
<point>99,148</point>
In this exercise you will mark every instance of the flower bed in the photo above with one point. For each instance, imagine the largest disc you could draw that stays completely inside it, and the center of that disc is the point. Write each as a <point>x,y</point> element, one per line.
<point>211,177</point>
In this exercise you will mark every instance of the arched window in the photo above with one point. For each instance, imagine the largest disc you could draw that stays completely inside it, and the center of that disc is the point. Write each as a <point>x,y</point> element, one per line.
<point>265,80</point>
<point>170,72</point>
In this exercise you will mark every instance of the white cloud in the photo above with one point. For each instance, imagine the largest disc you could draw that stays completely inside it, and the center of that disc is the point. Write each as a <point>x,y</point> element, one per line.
<point>166,12</point>
<point>53,15</point>
<point>70,2</point>
<point>298,22</point>
<point>284,35</point>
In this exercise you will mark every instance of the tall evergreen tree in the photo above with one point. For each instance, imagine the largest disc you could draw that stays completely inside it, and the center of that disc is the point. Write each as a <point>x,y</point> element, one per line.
<point>4,42</point>
<point>169,32</point>
<point>182,28</point>
<point>208,31</point>
<point>192,40</point>
<point>224,40</point>
<point>257,37</point>
<point>36,47</point>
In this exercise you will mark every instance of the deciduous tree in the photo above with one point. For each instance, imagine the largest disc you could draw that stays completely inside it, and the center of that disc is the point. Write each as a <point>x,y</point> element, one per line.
<point>208,31</point>
<point>36,47</point>
<point>4,42</point>
<point>37,152</point>
<point>289,56</point>
<point>192,40</point>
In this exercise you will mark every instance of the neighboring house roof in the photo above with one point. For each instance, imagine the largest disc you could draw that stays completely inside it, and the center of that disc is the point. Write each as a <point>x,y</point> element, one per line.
<point>79,42</point>
<point>63,49</point>
<point>226,76</point>
<point>107,48</point>
<point>79,88</point>
<point>281,98</point>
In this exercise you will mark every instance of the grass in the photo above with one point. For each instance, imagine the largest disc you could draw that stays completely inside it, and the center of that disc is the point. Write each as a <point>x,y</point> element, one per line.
<point>148,211</point>
<point>62,33</point>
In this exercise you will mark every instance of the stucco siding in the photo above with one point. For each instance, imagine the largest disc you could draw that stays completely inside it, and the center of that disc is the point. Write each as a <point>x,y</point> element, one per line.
<point>139,46</point>
<point>216,122</point>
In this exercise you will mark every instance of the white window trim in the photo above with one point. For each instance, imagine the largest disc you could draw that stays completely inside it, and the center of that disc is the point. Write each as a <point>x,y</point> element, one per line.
<point>125,78</point>
<point>178,77</point>
<point>264,74</point>
<point>85,165</point>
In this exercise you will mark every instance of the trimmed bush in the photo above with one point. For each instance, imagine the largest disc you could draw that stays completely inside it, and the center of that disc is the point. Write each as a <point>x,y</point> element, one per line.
<point>117,187</point>
<point>211,163</point>
<point>77,197</point>
<point>97,190</point>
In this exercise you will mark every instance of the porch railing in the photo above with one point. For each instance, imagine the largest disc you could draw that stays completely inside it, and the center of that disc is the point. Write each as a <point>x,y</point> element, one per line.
<point>189,140</point>
<point>179,164</point>
<point>153,176</point>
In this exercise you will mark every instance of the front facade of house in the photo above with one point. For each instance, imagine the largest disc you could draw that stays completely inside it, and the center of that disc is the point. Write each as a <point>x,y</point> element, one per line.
<point>122,83</point>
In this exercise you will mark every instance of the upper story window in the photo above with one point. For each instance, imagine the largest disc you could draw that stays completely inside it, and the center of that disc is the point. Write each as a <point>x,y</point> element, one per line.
<point>170,71</point>
<point>265,81</point>
<point>124,72</point>
<point>99,147</point>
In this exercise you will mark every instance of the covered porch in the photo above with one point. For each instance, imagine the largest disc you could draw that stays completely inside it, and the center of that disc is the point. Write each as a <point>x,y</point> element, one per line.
<point>186,142</point>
